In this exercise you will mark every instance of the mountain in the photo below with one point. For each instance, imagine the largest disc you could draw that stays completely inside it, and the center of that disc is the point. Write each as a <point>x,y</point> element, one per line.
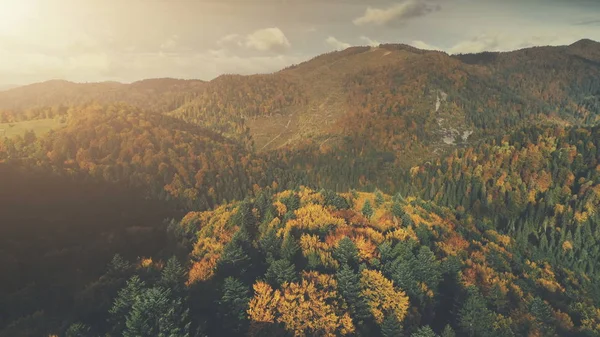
<point>372,191</point>
<point>425,101</point>
<point>160,94</point>
<point>4,87</point>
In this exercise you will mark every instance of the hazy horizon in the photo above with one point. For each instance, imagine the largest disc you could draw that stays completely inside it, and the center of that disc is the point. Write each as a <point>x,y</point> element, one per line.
<point>126,41</point>
<point>8,86</point>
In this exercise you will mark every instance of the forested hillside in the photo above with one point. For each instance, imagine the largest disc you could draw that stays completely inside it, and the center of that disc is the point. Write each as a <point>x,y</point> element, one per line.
<point>309,263</point>
<point>376,191</point>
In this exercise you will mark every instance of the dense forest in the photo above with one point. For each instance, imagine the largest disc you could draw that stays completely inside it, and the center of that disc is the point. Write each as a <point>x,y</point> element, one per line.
<point>381,191</point>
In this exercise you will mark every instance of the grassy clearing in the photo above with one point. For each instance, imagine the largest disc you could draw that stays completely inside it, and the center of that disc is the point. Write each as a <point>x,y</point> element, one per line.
<point>39,126</point>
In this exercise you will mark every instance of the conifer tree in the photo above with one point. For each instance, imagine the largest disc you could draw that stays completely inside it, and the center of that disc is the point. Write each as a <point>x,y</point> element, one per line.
<point>424,332</point>
<point>281,271</point>
<point>367,209</point>
<point>348,282</point>
<point>234,304</point>
<point>391,327</point>
<point>346,252</point>
<point>448,332</point>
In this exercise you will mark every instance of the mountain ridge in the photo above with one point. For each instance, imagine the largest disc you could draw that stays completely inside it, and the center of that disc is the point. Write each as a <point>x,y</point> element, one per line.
<point>438,100</point>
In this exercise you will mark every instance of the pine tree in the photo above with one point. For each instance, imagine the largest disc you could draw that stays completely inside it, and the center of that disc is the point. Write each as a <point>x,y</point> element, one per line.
<point>118,266</point>
<point>475,318</point>
<point>346,252</point>
<point>391,327</point>
<point>397,210</point>
<point>427,268</point>
<point>348,283</point>
<point>448,332</point>
<point>173,276</point>
<point>234,259</point>
<point>281,271</point>
<point>123,303</point>
<point>543,314</point>
<point>234,304</point>
<point>270,244</point>
<point>367,209</point>
<point>157,313</point>
<point>379,200</point>
<point>78,330</point>
<point>289,248</point>
<point>424,332</point>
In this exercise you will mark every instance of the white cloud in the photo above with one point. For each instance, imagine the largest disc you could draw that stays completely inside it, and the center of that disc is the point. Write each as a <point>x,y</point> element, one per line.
<point>369,42</point>
<point>499,42</point>
<point>229,38</point>
<point>477,45</point>
<point>170,43</point>
<point>423,45</point>
<point>397,12</point>
<point>268,39</point>
<point>337,44</point>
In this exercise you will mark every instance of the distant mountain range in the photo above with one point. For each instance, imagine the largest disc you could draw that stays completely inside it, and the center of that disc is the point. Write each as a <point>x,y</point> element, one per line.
<point>7,86</point>
<point>394,97</point>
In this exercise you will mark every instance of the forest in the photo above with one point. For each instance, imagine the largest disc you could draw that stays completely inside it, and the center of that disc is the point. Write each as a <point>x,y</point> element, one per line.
<point>423,195</point>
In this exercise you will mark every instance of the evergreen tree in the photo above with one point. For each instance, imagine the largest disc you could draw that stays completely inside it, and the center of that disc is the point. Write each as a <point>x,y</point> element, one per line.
<point>235,261</point>
<point>234,304</point>
<point>348,283</point>
<point>78,330</point>
<point>346,252</point>
<point>118,266</point>
<point>157,313</point>
<point>367,209</point>
<point>123,303</point>
<point>448,332</point>
<point>397,210</point>
<point>427,268</point>
<point>289,248</point>
<point>270,244</point>
<point>173,276</point>
<point>543,314</point>
<point>390,327</point>
<point>335,200</point>
<point>475,318</point>
<point>424,332</point>
<point>379,200</point>
<point>281,271</point>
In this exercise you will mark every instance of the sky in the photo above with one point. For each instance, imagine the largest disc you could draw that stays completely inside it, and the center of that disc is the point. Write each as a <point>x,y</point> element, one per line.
<point>129,40</point>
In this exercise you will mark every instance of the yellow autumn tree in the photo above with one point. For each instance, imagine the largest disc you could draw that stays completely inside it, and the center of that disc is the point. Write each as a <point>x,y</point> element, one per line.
<point>305,310</point>
<point>382,297</point>
<point>262,307</point>
<point>312,217</point>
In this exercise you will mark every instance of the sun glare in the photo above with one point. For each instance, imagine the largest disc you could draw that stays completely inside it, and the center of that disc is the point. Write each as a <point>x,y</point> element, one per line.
<point>14,14</point>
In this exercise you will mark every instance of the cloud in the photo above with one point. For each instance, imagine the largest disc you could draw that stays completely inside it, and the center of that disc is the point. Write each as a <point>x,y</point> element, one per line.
<point>204,65</point>
<point>228,39</point>
<point>588,22</point>
<point>423,45</point>
<point>477,45</point>
<point>170,43</point>
<point>268,39</point>
<point>369,42</point>
<point>499,42</point>
<point>337,44</point>
<point>395,13</point>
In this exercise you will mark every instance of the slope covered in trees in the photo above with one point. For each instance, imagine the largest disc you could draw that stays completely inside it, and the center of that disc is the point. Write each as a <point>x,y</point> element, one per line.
<point>541,185</point>
<point>308,263</point>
